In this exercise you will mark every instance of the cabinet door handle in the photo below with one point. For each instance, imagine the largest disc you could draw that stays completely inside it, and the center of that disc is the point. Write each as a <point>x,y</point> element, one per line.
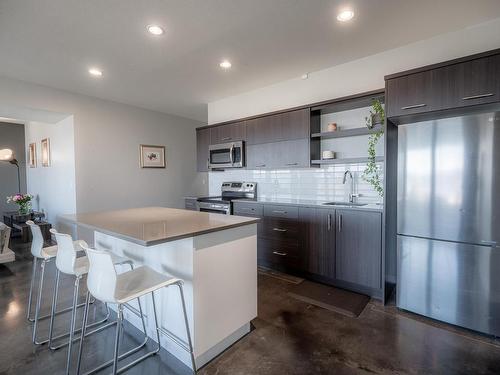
<point>292,164</point>
<point>478,96</point>
<point>226,138</point>
<point>340,223</point>
<point>279,253</point>
<point>414,106</point>
<point>261,165</point>
<point>279,230</point>
<point>329,221</point>
<point>279,212</point>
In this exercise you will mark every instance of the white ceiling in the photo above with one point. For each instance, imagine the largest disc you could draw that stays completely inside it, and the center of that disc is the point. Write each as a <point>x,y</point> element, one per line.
<point>53,42</point>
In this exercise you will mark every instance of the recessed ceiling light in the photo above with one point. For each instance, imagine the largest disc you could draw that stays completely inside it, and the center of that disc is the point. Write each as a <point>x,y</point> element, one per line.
<point>345,15</point>
<point>225,64</point>
<point>95,72</point>
<point>155,30</point>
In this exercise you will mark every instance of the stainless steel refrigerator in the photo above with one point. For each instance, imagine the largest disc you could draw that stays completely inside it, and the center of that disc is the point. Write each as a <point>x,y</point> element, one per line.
<point>449,220</point>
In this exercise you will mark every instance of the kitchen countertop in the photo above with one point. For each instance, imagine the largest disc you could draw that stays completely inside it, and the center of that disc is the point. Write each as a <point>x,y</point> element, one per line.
<point>310,203</point>
<point>154,225</point>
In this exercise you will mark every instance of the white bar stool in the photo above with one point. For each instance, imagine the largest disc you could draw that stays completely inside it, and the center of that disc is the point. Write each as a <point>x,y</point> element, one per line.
<point>107,286</point>
<point>68,263</point>
<point>45,254</point>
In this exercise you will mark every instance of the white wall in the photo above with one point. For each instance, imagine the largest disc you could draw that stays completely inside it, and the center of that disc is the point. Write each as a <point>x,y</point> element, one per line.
<point>53,187</point>
<point>107,137</point>
<point>357,76</point>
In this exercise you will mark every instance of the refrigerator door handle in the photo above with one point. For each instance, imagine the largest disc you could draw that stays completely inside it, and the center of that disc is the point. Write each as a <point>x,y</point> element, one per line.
<point>489,243</point>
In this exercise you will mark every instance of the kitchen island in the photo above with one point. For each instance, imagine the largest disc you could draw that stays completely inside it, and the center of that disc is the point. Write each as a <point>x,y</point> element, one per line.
<point>215,255</point>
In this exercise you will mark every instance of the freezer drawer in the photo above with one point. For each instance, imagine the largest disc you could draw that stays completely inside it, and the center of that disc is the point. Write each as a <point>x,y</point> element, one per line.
<point>453,282</point>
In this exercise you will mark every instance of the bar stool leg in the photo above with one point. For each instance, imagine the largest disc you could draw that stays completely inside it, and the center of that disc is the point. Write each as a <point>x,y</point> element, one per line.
<point>38,303</point>
<point>84,329</point>
<point>73,320</point>
<point>121,356</point>
<point>54,304</point>
<point>186,321</point>
<point>156,321</point>
<point>142,317</point>
<point>117,339</point>
<point>30,298</point>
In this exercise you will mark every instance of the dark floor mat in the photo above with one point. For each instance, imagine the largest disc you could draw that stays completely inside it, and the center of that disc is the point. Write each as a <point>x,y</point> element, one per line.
<point>279,275</point>
<point>328,297</point>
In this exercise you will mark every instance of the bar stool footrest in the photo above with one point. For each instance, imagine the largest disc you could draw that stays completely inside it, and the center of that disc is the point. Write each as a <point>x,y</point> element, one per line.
<point>175,339</point>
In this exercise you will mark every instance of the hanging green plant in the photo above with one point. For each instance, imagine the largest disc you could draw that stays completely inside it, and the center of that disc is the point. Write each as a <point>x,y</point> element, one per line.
<point>372,173</point>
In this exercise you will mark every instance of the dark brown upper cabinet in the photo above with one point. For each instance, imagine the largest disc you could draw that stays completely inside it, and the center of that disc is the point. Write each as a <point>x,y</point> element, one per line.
<point>227,133</point>
<point>279,127</point>
<point>479,81</point>
<point>409,94</point>
<point>279,155</point>
<point>445,87</point>
<point>202,143</point>
<point>456,84</point>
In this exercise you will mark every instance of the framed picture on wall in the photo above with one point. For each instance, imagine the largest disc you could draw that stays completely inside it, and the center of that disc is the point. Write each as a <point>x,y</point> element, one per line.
<point>152,156</point>
<point>46,152</point>
<point>32,155</point>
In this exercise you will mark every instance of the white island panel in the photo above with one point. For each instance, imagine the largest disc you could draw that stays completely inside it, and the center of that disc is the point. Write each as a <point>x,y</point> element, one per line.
<point>225,279</point>
<point>220,274</point>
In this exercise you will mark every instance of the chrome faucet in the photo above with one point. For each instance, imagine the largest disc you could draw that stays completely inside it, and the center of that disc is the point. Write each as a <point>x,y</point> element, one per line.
<point>351,194</point>
<point>347,172</point>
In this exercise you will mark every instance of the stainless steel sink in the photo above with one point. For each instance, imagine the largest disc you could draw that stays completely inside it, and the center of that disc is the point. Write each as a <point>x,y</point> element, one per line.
<point>345,204</point>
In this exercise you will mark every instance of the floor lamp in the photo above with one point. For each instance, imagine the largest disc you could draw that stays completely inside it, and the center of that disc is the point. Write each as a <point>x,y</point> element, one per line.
<point>6,254</point>
<point>7,155</point>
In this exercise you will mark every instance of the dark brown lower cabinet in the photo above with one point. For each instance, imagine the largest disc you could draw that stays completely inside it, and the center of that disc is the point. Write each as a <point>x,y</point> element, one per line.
<point>281,254</point>
<point>318,240</point>
<point>341,247</point>
<point>359,247</point>
<point>191,204</point>
<point>250,210</point>
<point>279,245</point>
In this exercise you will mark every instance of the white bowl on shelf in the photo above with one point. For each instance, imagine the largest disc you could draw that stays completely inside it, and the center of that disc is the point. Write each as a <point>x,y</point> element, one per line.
<point>328,155</point>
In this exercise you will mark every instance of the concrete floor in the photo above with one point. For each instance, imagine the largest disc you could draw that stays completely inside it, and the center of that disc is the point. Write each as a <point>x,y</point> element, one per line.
<point>290,337</point>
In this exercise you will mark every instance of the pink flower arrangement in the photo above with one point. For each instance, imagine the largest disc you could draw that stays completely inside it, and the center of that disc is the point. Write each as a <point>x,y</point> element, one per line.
<point>20,198</point>
<point>23,201</point>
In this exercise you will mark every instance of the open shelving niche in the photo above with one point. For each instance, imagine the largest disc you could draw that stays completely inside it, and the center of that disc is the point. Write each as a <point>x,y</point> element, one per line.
<point>350,141</point>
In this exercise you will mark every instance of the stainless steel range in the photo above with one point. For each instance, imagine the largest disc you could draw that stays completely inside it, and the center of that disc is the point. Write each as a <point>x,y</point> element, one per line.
<point>229,191</point>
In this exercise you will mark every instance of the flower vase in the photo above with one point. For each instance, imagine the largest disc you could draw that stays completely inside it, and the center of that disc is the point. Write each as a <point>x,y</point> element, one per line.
<point>24,208</point>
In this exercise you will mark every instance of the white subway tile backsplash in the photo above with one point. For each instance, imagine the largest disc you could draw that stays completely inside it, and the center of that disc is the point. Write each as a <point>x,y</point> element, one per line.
<point>312,183</point>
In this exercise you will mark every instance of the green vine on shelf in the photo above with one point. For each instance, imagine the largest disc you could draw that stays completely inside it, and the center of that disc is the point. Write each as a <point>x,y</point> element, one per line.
<point>372,172</point>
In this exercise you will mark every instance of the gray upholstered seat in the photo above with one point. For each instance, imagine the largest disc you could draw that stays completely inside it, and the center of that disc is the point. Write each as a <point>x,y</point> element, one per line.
<point>4,237</point>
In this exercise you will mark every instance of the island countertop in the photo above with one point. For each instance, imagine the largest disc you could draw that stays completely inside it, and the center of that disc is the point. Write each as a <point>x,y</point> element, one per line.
<point>154,225</point>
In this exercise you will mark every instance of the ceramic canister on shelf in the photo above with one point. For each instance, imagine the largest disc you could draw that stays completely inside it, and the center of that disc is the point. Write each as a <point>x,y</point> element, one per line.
<point>325,155</point>
<point>332,127</point>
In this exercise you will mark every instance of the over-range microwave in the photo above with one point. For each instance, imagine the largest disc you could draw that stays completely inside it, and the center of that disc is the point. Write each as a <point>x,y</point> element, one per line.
<point>226,155</point>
